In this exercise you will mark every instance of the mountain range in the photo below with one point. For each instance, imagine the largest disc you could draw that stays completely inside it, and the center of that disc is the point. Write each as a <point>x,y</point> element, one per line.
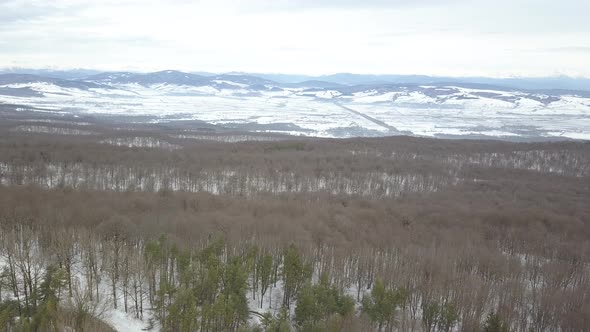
<point>342,105</point>
<point>531,83</point>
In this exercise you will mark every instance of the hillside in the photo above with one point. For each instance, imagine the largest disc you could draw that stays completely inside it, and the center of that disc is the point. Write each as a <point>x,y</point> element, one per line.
<point>312,108</point>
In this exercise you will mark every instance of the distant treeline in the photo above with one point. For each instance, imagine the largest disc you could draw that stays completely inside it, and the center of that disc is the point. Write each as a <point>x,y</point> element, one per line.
<point>148,159</point>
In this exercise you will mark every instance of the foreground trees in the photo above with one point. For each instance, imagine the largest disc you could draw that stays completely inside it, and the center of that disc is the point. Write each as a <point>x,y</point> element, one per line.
<point>218,286</point>
<point>494,323</point>
<point>382,304</point>
<point>322,307</point>
<point>299,236</point>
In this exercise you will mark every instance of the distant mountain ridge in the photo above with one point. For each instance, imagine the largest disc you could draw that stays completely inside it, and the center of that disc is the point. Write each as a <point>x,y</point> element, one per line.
<point>6,79</point>
<point>314,107</point>
<point>61,74</point>
<point>342,83</point>
<point>195,78</point>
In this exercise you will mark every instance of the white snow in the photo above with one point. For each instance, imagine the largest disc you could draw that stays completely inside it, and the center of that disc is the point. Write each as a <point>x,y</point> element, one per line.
<point>51,130</point>
<point>314,112</point>
<point>374,97</point>
<point>123,322</point>
<point>328,94</point>
<point>241,85</point>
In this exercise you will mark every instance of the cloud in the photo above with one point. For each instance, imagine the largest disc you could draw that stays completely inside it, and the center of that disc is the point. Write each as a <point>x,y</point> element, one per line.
<point>439,37</point>
<point>15,11</point>
<point>339,4</point>
<point>567,49</point>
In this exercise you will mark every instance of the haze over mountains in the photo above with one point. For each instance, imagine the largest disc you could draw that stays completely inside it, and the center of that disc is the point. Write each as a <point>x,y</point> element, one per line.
<point>554,82</point>
<point>341,105</point>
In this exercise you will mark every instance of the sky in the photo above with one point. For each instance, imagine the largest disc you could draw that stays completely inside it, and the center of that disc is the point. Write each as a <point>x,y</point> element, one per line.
<point>494,38</point>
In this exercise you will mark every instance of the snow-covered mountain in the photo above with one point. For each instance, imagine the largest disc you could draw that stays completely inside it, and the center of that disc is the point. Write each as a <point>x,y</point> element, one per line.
<point>329,109</point>
<point>172,77</point>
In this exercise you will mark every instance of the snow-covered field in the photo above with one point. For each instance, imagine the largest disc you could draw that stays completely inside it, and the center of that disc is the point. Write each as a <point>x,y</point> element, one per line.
<point>390,110</point>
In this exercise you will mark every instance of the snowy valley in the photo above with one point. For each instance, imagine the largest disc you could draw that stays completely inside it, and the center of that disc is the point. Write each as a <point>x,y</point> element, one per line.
<point>311,108</point>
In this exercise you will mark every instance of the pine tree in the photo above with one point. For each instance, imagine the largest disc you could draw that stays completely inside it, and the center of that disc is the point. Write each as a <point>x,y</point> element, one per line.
<point>234,289</point>
<point>380,306</point>
<point>317,304</point>
<point>183,313</point>
<point>278,323</point>
<point>430,315</point>
<point>8,314</point>
<point>306,313</point>
<point>494,323</point>
<point>46,315</point>
<point>448,317</point>
<point>295,274</point>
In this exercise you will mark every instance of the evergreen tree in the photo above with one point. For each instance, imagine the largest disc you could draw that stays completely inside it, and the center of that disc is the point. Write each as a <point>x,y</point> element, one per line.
<point>278,323</point>
<point>448,317</point>
<point>494,323</point>
<point>46,316</point>
<point>317,304</point>
<point>306,313</point>
<point>380,306</point>
<point>430,315</point>
<point>183,313</point>
<point>234,290</point>
<point>295,273</point>
<point>8,313</point>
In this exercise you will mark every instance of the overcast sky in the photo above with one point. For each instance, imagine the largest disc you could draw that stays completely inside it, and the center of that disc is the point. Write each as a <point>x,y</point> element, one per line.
<point>496,38</point>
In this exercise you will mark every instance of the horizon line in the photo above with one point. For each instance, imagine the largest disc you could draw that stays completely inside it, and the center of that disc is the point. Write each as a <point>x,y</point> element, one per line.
<point>142,71</point>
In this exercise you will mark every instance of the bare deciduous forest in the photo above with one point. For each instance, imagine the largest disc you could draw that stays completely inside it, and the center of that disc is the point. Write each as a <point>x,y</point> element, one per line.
<point>189,229</point>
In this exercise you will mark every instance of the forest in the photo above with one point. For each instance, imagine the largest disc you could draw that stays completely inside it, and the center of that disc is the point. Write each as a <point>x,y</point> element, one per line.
<point>191,229</point>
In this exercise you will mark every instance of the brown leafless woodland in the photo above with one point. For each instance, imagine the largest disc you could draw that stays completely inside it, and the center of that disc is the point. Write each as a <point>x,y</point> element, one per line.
<point>456,231</point>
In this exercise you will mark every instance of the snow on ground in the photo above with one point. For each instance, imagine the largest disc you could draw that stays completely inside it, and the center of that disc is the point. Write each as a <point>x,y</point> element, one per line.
<point>571,134</point>
<point>415,98</point>
<point>374,97</point>
<point>228,138</point>
<point>328,94</point>
<point>466,101</point>
<point>51,130</point>
<point>123,322</point>
<point>271,302</point>
<point>454,111</point>
<point>494,121</point>
<point>116,318</point>
<point>142,142</point>
<point>241,85</point>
